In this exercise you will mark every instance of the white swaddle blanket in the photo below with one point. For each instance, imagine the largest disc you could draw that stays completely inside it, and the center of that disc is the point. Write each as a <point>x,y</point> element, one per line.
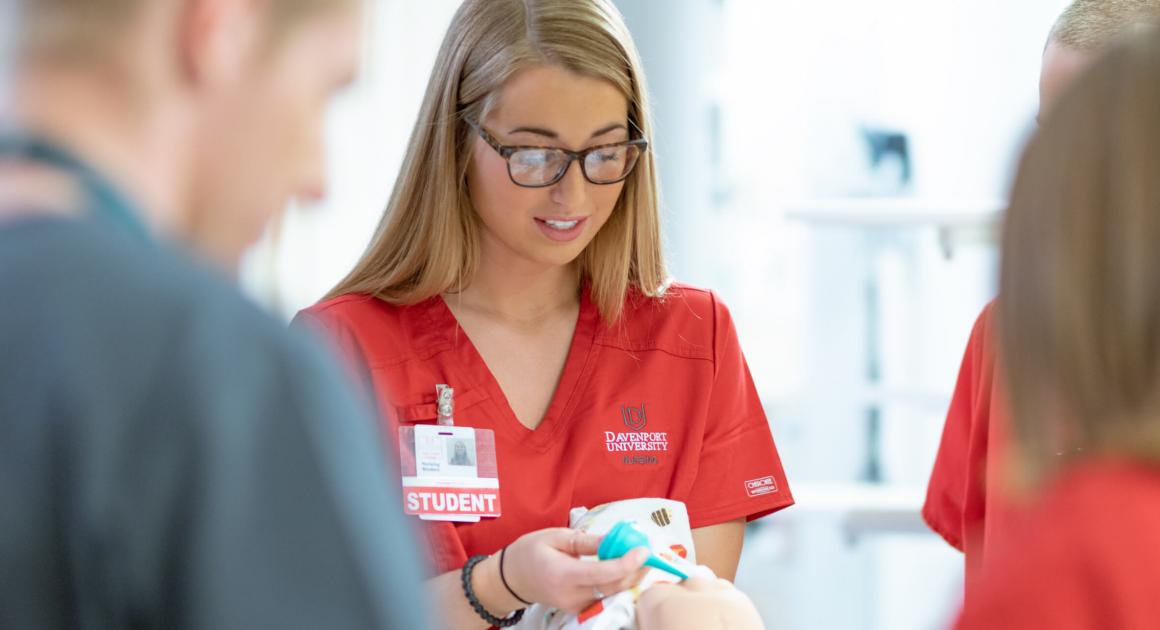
<point>666,523</point>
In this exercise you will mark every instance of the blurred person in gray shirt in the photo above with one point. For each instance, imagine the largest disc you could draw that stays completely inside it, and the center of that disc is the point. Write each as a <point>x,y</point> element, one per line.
<point>171,456</point>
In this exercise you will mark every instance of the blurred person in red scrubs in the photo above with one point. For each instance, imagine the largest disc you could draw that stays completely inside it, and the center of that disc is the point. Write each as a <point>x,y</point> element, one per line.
<point>966,502</point>
<point>1080,323</point>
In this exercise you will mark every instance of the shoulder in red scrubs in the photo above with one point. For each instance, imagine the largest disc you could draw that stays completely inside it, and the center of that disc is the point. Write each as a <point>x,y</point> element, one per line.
<point>1086,557</point>
<point>966,500</point>
<point>660,404</point>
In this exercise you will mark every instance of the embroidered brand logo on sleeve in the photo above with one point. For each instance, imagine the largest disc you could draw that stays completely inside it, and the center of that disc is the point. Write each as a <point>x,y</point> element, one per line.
<point>758,487</point>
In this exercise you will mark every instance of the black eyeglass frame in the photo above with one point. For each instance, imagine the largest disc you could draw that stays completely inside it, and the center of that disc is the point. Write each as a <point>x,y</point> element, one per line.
<point>506,151</point>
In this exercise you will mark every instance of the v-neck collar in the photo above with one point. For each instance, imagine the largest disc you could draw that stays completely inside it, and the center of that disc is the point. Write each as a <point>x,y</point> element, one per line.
<point>471,368</point>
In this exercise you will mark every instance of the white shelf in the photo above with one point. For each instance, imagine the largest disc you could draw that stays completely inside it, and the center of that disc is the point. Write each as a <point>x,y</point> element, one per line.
<point>896,211</point>
<point>928,399</point>
<point>858,497</point>
<point>865,508</point>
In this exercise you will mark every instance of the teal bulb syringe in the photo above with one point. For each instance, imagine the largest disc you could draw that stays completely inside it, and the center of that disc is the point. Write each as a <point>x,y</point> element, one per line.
<point>623,538</point>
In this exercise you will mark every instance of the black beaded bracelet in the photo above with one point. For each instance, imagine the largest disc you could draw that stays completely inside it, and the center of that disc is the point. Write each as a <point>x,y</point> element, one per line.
<point>506,622</point>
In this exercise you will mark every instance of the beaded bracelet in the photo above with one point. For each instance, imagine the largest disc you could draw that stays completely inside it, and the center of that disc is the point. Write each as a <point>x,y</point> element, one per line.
<point>506,622</point>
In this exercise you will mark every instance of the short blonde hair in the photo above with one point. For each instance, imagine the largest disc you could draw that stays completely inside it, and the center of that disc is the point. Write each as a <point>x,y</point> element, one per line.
<point>81,29</point>
<point>1079,312</point>
<point>1091,25</point>
<point>427,242</point>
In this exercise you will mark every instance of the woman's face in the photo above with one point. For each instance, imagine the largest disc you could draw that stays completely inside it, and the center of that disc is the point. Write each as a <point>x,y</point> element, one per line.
<point>545,106</point>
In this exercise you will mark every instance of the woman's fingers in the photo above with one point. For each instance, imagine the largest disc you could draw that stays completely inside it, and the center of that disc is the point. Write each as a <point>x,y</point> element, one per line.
<point>546,565</point>
<point>583,544</point>
<point>614,571</point>
<point>629,581</point>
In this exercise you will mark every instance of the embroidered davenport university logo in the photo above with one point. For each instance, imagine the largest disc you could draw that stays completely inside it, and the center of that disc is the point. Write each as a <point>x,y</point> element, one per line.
<point>636,440</point>
<point>634,418</point>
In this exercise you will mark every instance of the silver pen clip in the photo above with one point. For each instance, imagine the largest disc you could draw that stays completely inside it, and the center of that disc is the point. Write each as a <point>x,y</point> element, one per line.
<point>445,405</point>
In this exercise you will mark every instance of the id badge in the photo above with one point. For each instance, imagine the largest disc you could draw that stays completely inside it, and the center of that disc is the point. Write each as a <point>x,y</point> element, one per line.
<point>449,472</point>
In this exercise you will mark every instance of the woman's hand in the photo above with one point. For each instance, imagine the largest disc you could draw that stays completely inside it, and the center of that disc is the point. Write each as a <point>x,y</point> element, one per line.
<point>544,566</point>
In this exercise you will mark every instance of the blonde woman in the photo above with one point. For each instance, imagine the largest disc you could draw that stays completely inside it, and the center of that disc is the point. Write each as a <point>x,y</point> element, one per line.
<point>519,261</point>
<point>1080,328</point>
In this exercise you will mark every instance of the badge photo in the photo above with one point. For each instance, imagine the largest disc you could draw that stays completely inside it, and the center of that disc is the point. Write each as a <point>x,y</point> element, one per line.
<point>449,472</point>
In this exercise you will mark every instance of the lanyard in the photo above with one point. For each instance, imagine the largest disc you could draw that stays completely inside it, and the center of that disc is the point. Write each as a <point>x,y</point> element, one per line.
<point>103,200</point>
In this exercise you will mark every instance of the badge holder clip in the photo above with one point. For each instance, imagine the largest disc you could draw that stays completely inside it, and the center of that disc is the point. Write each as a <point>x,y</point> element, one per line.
<point>449,472</point>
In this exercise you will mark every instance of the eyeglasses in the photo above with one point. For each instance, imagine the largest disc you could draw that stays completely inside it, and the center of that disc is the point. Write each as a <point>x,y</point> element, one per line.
<point>538,167</point>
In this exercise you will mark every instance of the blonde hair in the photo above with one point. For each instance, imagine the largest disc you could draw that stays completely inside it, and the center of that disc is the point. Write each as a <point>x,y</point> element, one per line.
<point>83,29</point>
<point>1079,312</point>
<point>428,240</point>
<point>1091,25</point>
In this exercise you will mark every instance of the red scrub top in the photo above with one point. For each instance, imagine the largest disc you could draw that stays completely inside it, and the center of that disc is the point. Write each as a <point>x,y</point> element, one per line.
<point>966,499</point>
<point>660,404</point>
<point>1087,558</point>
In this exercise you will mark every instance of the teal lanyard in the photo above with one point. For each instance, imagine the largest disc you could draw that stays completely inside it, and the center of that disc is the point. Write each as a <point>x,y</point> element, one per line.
<point>103,200</point>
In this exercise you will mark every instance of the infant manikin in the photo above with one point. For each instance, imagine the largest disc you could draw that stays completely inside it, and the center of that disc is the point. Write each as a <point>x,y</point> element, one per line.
<point>661,599</point>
